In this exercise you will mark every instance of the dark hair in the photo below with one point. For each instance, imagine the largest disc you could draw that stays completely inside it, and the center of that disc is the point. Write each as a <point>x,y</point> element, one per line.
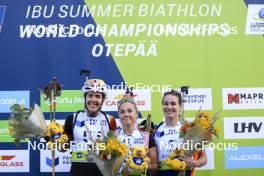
<point>103,95</point>
<point>85,94</point>
<point>174,93</point>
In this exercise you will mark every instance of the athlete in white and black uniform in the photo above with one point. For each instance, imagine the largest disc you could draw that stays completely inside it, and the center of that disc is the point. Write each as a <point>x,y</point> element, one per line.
<point>167,134</point>
<point>136,139</point>
<point>167,139</point>
<point>85,127</point>
<point>130,134</point>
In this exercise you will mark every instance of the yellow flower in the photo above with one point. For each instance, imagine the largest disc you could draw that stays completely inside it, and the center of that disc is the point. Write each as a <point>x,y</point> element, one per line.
<point>122,149</point>
<point>112,145</point>
<point>205,115</point>
<point>206,124</point>
<point>113,142</point>
<point>217,131</point>
<point>10,131</point>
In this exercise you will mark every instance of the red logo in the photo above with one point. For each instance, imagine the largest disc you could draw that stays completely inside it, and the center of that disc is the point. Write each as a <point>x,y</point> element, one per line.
<point>5,161</point>
<point>7,157</point>
<point>233,99</point>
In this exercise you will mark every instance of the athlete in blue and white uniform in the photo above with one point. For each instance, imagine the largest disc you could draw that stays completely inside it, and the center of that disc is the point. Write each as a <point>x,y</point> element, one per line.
<point>132,136</point>
<point>135,139</point>
<point>85,127</point>
<point>167,140</point>
<point>167,134</point>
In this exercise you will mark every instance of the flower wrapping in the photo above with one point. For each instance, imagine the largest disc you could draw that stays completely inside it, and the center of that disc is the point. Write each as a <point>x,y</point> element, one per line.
<point>26,123</point>
<point>110,159</point>
<point>200,131</point>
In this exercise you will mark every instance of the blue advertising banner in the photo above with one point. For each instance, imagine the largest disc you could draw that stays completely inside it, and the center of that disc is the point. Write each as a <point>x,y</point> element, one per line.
<point>245,157</point>
<point>8,98</point>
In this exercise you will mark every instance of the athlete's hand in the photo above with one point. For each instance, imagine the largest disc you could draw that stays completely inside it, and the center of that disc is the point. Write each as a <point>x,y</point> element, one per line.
<point>190,162</point>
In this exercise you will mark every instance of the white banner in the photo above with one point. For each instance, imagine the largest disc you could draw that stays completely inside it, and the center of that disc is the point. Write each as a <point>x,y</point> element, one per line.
<point>243,98</point>
<point>62,161</point>
<point>244,127</point>
<point>142,98</point>
<point>255,22</point>
<point>14,160</point>
<point>197,98</point>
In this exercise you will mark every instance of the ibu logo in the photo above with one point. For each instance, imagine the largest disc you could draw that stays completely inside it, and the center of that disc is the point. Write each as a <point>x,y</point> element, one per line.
<point>261,13</point>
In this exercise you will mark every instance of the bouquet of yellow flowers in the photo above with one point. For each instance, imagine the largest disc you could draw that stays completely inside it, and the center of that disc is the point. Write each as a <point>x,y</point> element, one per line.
<point>196,133</point>
<point>200,131</point>
<point>110,159</point>
<point>113,148</point>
